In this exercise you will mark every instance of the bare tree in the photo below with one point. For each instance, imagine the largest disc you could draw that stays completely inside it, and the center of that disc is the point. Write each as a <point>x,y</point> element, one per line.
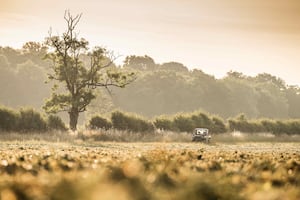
<point>79,78</point>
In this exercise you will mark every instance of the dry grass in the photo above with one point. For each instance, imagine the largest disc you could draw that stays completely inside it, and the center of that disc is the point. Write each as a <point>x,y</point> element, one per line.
<point>54,136</point>
<point>237,137</point>
<point>169,136</point>
<point>126,136</point>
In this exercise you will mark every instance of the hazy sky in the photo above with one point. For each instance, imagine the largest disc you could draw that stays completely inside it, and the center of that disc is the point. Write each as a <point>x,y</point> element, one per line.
<point>250,36</point>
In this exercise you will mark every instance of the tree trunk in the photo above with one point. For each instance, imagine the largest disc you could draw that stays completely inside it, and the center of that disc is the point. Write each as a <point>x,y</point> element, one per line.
<point>73,114</point>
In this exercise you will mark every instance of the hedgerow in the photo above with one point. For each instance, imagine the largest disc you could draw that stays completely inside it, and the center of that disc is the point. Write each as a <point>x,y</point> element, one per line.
<point>28,120</point>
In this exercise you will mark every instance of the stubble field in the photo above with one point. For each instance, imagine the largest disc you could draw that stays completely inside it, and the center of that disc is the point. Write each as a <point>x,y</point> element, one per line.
<point>105,170</point>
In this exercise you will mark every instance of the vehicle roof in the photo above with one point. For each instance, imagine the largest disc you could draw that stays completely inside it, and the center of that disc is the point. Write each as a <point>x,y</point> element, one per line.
<point>201,128</point>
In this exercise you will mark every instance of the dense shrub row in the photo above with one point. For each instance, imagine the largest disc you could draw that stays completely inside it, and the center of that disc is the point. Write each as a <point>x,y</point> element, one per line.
<point>178,123</point>
<point>291,127</point>
<point>188,122</point>
<point>98,122</point>
<point>130,122</point>
<point>28,120</point>
<point>122,121</point>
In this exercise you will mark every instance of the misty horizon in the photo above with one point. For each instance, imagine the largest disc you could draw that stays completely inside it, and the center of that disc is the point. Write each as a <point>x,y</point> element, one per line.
<point>120,63</point>
<point>251,37</point>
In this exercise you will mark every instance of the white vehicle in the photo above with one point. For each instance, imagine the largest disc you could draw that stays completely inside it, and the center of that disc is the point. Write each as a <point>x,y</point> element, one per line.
<point>201,134</point>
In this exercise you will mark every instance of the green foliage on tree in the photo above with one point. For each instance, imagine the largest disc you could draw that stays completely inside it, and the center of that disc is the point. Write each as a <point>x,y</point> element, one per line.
<point>143,63</point>
<point>22,74</point>
<point>35,51</point>
<point>293,101</point>
<point>3,62</point>
<point>174,66</point>
<point>77,79</point>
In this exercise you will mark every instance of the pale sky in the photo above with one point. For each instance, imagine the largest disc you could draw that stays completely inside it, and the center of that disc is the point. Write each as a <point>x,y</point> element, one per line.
<point>216,36</point>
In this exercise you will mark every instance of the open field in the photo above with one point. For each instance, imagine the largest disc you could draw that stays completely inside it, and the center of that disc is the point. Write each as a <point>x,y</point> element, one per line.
<point>109,170</point>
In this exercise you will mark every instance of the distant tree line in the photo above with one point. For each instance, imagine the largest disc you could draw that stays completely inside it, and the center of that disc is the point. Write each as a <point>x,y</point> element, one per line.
<point>22,76</point>
<point>161,89</point>
<point>169,88</point>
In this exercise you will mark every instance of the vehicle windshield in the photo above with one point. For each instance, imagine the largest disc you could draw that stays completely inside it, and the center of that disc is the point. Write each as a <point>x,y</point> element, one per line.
<point>201,132</point>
